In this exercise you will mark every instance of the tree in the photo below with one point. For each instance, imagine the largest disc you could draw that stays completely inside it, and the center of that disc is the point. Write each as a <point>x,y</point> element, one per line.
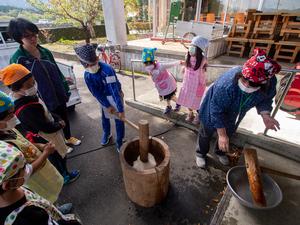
<point>78,12</point>
<point>131,6</point>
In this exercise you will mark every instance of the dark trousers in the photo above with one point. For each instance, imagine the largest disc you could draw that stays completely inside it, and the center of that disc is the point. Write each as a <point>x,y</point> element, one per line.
<point>203,144</point>
<point>59,163</point>
<point>62,111</point>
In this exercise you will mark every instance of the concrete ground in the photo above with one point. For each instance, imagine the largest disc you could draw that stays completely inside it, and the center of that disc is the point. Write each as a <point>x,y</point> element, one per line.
<point>99,196</point>
<point>288,212</point>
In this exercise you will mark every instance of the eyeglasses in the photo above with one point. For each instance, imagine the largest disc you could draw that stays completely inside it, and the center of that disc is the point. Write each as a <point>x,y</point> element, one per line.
<point>29,36</point>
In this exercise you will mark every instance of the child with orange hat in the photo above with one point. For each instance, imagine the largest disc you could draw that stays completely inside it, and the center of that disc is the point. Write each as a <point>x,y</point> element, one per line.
<point>34,115</point>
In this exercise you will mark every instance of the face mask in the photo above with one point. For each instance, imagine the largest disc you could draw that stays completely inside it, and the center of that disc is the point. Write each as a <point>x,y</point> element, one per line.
<point>192,50</point>
<point>10,124</point>
<point>27,173</point>
<point>247,89</point>
<point>93,69</point>
<point>149,68</point>
<point>31,91</point>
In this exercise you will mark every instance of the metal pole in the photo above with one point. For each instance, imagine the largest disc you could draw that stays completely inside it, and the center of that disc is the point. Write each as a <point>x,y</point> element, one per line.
<point>133,81</point>
<point>260,5</point>
<point>198,10</point>
<point>154,18</point>
<point>225,14</point>
<point>285,91</point>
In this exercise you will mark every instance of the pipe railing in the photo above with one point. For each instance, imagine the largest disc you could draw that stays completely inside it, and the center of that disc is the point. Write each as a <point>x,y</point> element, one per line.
<point>290,72</point>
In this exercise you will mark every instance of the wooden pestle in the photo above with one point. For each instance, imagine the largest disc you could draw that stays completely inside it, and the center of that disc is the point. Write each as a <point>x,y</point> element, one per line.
<point>144,140</point>
<point>254,177</point>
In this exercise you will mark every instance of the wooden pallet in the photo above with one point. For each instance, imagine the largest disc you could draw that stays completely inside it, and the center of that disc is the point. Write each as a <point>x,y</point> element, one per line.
<point>291,27</point>
<point>266,25</point>
<point>262,44</point>
<point>287,50</point>
<point>240,30</point>
<point>236,46</point>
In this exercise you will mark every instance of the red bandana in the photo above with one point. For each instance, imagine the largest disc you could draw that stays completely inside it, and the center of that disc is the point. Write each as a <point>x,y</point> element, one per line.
<point>260,68</point>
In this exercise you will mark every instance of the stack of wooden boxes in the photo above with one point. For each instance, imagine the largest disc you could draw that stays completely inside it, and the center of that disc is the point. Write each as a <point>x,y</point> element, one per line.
<point>240,32</point>
<point>289,46</point>
<point>277,33</point>
<point>266,30</point>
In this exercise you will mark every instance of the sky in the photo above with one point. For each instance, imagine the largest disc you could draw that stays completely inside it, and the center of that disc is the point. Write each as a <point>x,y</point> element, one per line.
<point>16,3</point>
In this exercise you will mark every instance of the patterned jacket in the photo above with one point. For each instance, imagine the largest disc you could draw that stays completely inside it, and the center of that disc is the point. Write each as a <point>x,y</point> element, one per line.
<point>225,104</point>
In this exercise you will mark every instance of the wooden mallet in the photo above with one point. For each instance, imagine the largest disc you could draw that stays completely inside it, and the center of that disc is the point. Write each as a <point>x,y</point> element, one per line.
<point>254,177</point>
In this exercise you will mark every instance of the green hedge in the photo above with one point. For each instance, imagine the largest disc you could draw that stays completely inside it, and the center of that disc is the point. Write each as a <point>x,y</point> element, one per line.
<point>68,33</point>
<point>139,26</point>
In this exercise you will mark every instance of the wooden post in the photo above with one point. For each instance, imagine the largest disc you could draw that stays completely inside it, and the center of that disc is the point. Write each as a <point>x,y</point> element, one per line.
<point>144,140</point>
<point>254,177</point>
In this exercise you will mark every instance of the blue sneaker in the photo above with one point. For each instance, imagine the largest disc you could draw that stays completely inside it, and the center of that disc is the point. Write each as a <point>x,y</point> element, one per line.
<point>177,108</point>
<point>168,109</point>
<point>105,139</point>
<point>119,145</point>
<point>65,208</point>
<point>71,177</point>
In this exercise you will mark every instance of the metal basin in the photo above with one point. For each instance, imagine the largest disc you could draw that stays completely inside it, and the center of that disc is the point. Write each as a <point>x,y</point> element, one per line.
<point>237,181</point>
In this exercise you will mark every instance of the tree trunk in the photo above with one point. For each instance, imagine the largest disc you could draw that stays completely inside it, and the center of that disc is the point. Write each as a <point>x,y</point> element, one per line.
<point>87,34</point>
<point>91,30</point>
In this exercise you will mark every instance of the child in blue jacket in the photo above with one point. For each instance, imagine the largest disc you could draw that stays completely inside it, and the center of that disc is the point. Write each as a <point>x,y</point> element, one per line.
<point>104,85</point>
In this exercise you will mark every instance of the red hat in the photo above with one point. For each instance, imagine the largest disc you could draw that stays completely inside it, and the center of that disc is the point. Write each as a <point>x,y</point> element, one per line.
<point>260,68</point>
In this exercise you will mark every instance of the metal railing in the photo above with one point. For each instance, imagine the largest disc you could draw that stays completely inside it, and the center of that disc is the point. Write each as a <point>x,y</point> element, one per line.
<point>290,72</point>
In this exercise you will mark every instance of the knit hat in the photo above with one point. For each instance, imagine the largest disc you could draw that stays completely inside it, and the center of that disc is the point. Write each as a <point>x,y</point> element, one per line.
<point>5,102</point>
<point>200,42</point>
<point>86,54</point>
<point>148,54</point>
<point>11,161</point>
<point>13,73</point>
<point>260,68</point>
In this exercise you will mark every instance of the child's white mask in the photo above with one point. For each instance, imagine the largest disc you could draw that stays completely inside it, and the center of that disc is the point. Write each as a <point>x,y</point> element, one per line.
<point>149,68</point>
<point>192,50</point>
<point>93,69</point>
<point>247,89</point>
<point>10,124</point>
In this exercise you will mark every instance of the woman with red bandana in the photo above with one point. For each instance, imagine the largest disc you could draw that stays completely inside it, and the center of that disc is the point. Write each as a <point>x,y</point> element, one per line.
<point>229,99</point>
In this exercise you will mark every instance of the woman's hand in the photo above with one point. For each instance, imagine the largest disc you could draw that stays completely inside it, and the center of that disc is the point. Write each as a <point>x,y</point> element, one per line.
<point>223,140</point>
<point>270,123</point>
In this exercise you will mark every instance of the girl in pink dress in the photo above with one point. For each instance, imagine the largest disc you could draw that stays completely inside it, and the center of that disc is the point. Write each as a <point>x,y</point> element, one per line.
<point>164,81</point>
<point>194,83</point>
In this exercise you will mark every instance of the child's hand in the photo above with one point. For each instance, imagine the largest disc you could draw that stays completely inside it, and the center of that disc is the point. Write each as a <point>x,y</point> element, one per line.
<point>122,116</point>
<point>122,94</point>
<point>182,63</point>
<point>62,123</point>
<point>49,148</point>
<point>111,110</point>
